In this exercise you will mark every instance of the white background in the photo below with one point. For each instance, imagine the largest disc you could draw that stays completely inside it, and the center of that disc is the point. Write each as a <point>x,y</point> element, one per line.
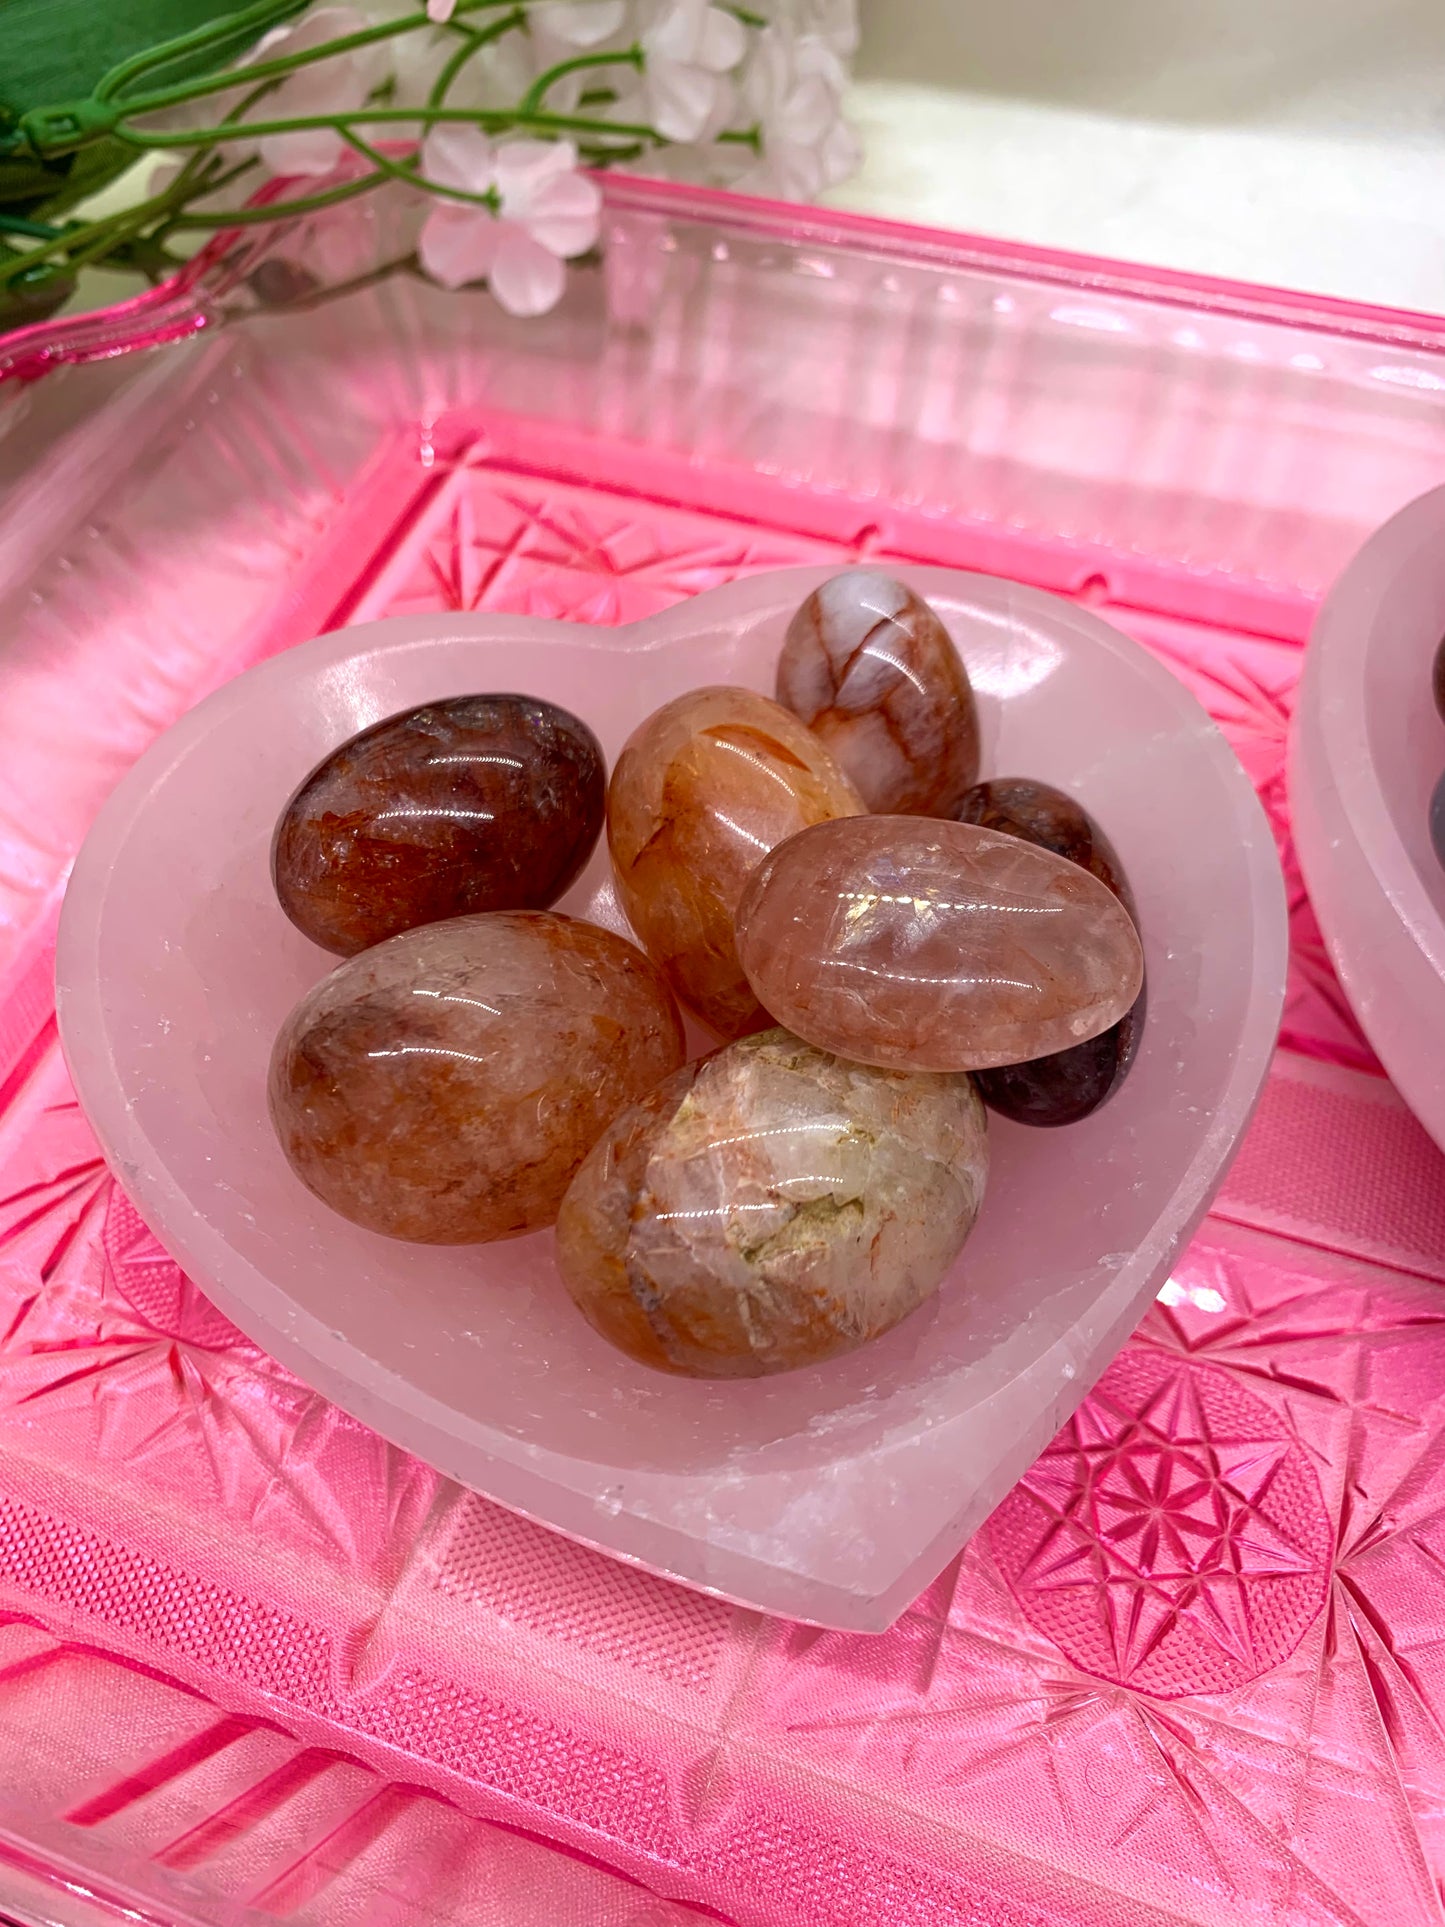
<point>1298,142</point>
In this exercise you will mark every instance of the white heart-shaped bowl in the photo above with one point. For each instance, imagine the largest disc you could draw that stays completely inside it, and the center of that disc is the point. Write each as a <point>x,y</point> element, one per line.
<point>1366,750</point>
<point>835,1494</point>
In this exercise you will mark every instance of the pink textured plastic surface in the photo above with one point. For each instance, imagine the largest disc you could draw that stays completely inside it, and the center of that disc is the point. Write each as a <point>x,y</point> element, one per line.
<point>258,1664</point>
<point>1367,750</point>
<point>834,1494</point>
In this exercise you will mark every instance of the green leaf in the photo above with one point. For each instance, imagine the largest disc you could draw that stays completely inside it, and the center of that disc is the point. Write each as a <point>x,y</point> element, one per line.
<point>48,188</point>
<point>91,169</point>
<point>54,51</point>
<point>24,184</point>
<point>34,295</point>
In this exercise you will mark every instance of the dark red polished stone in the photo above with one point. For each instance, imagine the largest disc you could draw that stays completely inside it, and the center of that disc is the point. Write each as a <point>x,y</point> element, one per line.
<point>1437,820</point>
<point>476,803</point>
<point>1067,1085</point>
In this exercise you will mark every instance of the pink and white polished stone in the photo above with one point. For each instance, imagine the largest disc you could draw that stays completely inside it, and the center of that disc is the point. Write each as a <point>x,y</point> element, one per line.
<point>924,945</point>
<point>870,667</point>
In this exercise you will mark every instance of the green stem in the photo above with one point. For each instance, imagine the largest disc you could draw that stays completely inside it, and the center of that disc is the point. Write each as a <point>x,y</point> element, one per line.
<point>284,64</point>
<point>145,255</point>
<point>259,16</point>
<point>211,185</point>
<point>32,230</point>
<point>122,234</point>
<point>276,69</point>
<point>595,156</point>
<point>84,241</point>
<point>125,235</point>
<point>748,18</point>
<point>543,84</point>
<point>473,42</point>
<point>200,172</point>
<point>277,210</point>
<point>50,131</point>
<point>79,237</point>
<point>500,120</point>
<point>407,171</point>
<point>89,243</point>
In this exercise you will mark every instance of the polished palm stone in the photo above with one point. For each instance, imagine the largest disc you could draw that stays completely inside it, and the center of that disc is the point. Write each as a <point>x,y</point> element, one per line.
<point>1050,819</point>
<point>869,666</point>
<point>1067,1085</point>
<point>924,945</point>
<point>445,1085</point>
<point>1437,819</point>
<point>704,788</point>
<point>471,804</point>
<point>771,1207</point>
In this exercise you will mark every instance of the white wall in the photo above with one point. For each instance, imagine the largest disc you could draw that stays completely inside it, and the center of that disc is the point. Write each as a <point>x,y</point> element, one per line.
<point>1294,141</point>
<point>1307,62</point>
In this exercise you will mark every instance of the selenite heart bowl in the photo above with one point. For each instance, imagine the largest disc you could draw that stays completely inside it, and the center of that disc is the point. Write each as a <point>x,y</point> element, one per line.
<point>1366,749</point>
<point>833,1494</point>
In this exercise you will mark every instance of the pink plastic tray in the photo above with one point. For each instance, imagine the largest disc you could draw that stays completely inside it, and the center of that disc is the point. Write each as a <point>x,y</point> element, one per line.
<point>256,1664</point>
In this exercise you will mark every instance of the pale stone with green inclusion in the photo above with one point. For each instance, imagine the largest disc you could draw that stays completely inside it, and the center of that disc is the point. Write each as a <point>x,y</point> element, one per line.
<point>772,1207</point>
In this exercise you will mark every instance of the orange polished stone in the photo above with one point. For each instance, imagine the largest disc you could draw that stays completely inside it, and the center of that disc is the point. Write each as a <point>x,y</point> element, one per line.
<point>869,666</point>
<point>445,1085</point>
<point>771,1207</point>
<point>926,945</point>
<point>703,790</point>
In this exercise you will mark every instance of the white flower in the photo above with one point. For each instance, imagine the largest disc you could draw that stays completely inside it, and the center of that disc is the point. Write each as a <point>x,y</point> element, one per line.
<point>834,22</point>
<point>558,30</point>
<point>794,88</point>
<point>578,23</point>
<point>546,213</point>
<point>495,76</point>
<point>440,11</point>
<point>688,48</point>
<point>334,86</point>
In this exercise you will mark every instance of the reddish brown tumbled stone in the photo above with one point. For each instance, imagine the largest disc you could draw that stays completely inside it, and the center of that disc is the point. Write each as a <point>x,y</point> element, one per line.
<point>702,790</point>
<point>1067,1085</point>
<point>1049,819</point>
<point>869,666</point>
<point>444,1086</point>
<point>475,803</point>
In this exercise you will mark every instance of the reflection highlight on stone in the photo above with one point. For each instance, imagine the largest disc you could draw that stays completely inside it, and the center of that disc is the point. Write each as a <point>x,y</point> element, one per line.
<point>934,945</point>
<point>771,1207</point>
<point>703,789</point>
<point>444,1086</point>
<point>1069,1085</point>
<point>459,806</point>
<point>869,666</point>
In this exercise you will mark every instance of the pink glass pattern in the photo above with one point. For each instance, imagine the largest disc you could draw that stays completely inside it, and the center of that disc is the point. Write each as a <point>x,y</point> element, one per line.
<point>212,1551</point>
